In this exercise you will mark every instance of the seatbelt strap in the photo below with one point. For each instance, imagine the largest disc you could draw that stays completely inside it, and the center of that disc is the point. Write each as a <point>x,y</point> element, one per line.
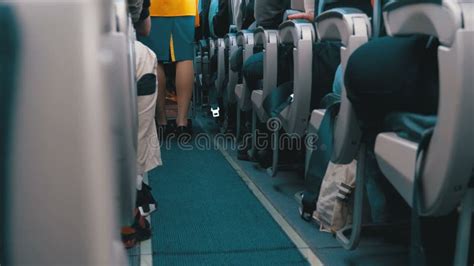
<point>417,256</point>
<point>321,157</point>
<point>279,99</point>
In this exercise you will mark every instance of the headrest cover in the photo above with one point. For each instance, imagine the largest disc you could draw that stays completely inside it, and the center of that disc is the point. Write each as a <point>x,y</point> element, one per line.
<point>429,17</point>
<point>341,23</point>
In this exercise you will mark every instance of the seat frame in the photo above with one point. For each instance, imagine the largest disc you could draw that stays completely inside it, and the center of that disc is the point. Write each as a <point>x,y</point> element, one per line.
<point>246,40</point>
<point>448,168</point>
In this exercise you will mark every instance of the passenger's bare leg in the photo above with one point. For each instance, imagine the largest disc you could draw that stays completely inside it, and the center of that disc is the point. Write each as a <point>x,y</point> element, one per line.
<point>184,90</point>
<point>160,114</point>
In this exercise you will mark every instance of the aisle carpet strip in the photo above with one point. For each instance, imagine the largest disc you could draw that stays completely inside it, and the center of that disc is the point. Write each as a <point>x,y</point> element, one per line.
<point>208,216</point>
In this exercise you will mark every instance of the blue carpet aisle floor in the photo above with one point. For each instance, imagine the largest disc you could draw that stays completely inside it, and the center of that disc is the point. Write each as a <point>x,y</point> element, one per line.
<point>208,216</point>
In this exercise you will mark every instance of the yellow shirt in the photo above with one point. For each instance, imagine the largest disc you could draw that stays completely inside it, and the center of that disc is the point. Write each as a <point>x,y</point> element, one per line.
<point>174,8</point>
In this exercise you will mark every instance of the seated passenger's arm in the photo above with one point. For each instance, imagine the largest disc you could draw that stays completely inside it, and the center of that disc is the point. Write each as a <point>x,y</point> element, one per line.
<point>221,19</point>
<point>143,25</point>
<point>135,8</point>
<point>308,14</point>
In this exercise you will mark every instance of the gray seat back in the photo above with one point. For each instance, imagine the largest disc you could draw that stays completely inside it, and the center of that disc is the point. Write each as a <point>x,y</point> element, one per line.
<point>245,39</point>
<point>220,66</point>
<point>270,40</point>
<point>450,157</point>
<point>353,28</point>
<point>63,206</point>
<point>230,41</point>
<point>301,35</point>
<point>119,78</point>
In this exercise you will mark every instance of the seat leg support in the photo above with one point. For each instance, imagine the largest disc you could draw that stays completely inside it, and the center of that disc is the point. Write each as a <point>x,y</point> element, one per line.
<point>464,229</point>
<point>252,151</point>
<point>237,130</point>
<point>272,171</point>
<point>352,242</point>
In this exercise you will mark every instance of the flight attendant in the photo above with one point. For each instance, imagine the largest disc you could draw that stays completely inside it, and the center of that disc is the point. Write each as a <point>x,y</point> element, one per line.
<point>173,24</point>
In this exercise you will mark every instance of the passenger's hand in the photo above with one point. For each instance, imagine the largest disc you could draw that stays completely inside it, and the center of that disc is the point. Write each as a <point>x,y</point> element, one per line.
<point>307,16</point>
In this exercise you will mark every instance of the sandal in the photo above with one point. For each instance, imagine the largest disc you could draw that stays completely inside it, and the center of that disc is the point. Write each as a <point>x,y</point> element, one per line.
<point>139,231</point>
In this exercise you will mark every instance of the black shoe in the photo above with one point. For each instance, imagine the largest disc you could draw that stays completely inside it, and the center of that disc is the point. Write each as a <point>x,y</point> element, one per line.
<point>264,158</point>
<point>184,133</point>
<point>145,202</point>
<point>164,131</point>
<point>244,156</point>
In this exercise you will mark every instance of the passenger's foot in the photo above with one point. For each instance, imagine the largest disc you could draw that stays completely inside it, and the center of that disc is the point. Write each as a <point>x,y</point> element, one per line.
<point>139,231</point>
<point>184,131</point>
<point>264,158</point>
<point>146,204</point>
<point>243,155</point>
<point>164,131</point>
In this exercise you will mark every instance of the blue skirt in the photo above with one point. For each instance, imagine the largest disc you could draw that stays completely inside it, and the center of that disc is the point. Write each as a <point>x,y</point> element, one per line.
<point>171,38</point>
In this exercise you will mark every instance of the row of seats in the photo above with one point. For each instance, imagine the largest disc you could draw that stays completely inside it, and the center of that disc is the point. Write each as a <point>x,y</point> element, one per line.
<point>72,137</point>
<point>433,174</point>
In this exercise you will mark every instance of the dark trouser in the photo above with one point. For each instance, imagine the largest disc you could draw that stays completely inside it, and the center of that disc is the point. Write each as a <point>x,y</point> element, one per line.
<point>253,70</point>
<point>393,74</point>
<point>384,77</point>
<point>253,67</point>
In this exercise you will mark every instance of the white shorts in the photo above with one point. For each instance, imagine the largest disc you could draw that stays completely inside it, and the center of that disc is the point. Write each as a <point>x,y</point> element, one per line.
<point>148,154</point>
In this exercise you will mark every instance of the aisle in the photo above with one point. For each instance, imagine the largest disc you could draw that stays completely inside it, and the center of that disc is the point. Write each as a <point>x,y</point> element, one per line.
<point>208,216</point>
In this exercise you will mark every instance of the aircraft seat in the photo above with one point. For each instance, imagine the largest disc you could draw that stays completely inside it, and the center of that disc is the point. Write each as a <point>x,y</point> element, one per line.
<point>445,167</point>
<point>245,40</point>
<point>353,29</point>
<point>301,35</point>
<point>65,173</point>
<point>230,41</point>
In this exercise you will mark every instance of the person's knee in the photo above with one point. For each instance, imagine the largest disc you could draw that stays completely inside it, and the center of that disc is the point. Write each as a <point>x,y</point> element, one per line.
<point>338,81</point>
<point>236,60</point>
<point>253,67</point>
<point>394,82</point>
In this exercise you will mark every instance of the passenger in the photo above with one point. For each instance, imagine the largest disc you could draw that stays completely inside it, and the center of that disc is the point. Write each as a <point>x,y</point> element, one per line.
<point>222,18</point>
<point>135,8</point>
<point>308,14</point>
<point>148,152</point>
<point>243,13</point>
<point>148,147</point>
<point>173,26</point>
<point>244,20</point>
<point>143,24</point>
<point>402,81</point>
<point>269,15</point>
